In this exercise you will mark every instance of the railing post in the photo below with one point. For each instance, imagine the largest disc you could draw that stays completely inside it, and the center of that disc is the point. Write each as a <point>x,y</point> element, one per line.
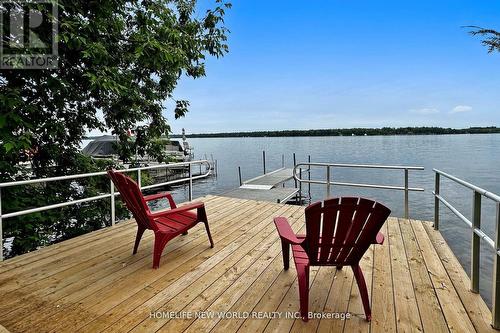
<point>190,183</point>
<point>264,160</point>
<point>300,187</point>
<point>309,176</point>
<point>282,160</point>
<point>1,227</point>
<point>294,164</point>
<point>112,202</point>
<point>476,242</point>
<point>436,200</point>
<point>407,214</point>
<point>139,182</point>
<point>495,312</point>
<point>328,182</point>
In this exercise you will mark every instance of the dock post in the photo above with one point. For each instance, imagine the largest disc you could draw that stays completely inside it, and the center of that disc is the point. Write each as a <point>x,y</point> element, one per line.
<point>190,194</point>
<point>495,299</point>
<point>139,183</point>
<point>407,213</point>
<point>239,174</point>
<point>264,160</point>
<point>436,201</point>
<point>112,190</point>
<point>282,160</point>
<point>476,242</point>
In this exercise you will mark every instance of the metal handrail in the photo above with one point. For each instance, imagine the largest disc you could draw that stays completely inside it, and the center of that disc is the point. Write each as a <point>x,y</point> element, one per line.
<point>366,166</point>
<point>473,187</point>
<point>100,173</point>
<point>111,195</point>
<point>329,183</point>
<point>477,235</point>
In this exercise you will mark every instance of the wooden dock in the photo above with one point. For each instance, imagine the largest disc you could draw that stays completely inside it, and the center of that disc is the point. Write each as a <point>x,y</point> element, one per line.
<point>269,180</point>
<point>93,283</point>
<point>266,187</point>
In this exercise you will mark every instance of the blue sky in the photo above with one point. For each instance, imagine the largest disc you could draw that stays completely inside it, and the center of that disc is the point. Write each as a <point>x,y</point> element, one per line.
<point>333,64</point>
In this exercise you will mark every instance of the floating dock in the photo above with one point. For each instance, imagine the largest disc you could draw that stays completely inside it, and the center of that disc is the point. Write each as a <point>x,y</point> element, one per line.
<point>266,187</point>
<point>269,180</point>
<point>271,195</point>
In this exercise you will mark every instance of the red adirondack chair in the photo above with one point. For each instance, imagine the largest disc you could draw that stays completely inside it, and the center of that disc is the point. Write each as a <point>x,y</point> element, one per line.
<point>166,225</point>
<point>338,233</point>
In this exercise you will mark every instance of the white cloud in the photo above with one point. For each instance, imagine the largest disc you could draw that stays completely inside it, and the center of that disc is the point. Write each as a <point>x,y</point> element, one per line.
<point>425,111</point>
<point>461,109</point>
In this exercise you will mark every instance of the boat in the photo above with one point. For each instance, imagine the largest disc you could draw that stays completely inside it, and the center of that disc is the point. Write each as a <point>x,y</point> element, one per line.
<point>105,147</point>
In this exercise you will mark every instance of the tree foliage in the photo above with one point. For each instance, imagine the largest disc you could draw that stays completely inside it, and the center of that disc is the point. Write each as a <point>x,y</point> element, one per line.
<point>491,37</point>
<point>120,59</point>
<point>353,131</point>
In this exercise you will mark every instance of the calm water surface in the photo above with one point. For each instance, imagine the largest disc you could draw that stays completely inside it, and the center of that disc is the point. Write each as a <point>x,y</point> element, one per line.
<point>474,158</point>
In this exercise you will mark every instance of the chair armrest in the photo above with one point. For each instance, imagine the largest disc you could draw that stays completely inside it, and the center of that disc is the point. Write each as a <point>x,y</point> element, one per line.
<point>379,239</point>
<point>183,208</point>
<point>160,196</point>
<point>285,231</point>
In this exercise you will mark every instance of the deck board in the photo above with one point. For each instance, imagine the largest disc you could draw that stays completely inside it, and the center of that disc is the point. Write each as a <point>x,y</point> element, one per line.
<point>428,304</point>
<point>384,316</point>
<point>93,283</point>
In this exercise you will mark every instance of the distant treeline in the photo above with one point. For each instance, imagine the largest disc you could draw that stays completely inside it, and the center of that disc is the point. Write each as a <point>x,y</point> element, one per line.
<point>350,132</point>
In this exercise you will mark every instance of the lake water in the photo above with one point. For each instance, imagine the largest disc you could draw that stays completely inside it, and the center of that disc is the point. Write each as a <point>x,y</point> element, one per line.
<point>474,158</point>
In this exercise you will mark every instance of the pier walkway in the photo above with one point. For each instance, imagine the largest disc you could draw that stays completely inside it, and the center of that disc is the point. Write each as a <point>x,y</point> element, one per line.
<point>269,180</point>
<point>266,187</point>
<point>93,283</point>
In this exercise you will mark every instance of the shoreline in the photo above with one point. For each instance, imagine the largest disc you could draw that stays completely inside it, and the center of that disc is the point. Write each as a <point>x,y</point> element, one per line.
<point>385,131</point>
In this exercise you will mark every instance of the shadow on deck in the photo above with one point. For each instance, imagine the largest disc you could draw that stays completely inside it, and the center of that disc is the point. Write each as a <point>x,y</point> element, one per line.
<point>93,282</point>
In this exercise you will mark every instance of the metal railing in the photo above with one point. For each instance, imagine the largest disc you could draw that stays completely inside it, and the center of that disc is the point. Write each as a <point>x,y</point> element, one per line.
<point>329,183</point>
<point>111,194</point>
<point>477,234</point>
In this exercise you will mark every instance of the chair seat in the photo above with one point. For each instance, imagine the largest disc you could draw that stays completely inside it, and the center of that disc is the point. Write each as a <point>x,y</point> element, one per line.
<point>176,223</point>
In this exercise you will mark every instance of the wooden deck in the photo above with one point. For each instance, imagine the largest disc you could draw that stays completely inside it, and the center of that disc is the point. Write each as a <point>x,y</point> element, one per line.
<point>93,283</point>
<point>272,195</point>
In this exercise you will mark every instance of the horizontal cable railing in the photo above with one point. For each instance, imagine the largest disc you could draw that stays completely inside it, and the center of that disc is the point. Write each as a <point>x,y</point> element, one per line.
<point>111,194</point>
<point>476,234</point>
<point>329,183</point>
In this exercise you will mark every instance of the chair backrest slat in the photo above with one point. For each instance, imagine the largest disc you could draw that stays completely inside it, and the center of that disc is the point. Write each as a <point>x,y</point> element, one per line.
<point>340,230</point>
<point>328,223</point>
<point>313,227</point>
